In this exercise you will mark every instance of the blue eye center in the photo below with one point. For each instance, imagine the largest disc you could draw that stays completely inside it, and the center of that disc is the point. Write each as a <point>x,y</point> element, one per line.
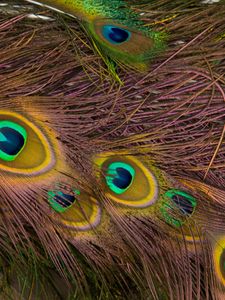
<point>115,35</point>
<point>123,179</point>
<point>119,177</point>
<point>12,140</point>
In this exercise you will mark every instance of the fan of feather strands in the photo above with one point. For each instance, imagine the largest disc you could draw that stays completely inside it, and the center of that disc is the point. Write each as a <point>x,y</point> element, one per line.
<point>112,150</point>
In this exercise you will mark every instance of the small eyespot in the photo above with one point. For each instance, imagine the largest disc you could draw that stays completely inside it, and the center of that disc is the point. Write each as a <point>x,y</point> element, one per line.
<point>222,264</point>
<point>177,207</point>
<point>115,34</point>
<point>219,259</point>
<point>73,208</point>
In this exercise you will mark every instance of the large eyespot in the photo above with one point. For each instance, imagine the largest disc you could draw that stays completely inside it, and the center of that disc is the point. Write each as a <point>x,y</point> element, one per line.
<point>177,207</point>
<point>75,209</point>
<point>12,140</point>
<point>23,147</point>
<point>219,259</point>
<point>115,34</point>
<point>127,181</point>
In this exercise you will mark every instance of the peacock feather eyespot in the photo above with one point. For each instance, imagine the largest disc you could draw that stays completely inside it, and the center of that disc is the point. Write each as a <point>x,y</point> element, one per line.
<point>126,180</point>
<point>222,263</point>
<point>178,205</point>
<point>219,259</point>
<point>24,149</point>
<point>134,46</point>
<point>115,34</point>
<point>74,208</point>
<point>13,138</point>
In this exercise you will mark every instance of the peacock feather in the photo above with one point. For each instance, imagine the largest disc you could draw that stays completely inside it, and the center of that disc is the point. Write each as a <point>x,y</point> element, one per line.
<point>115,29</point>
<point>111,180</point>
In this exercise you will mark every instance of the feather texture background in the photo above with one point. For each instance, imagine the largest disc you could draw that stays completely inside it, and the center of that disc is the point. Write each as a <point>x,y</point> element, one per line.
<point>161,235</point>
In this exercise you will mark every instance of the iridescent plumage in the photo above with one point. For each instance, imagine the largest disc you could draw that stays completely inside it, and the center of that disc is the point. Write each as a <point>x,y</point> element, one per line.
<point>112,191</point>
<point>117,31</point>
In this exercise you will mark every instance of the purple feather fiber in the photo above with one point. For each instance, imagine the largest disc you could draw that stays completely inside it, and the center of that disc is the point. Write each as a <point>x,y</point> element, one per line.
<point>171,116</point>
